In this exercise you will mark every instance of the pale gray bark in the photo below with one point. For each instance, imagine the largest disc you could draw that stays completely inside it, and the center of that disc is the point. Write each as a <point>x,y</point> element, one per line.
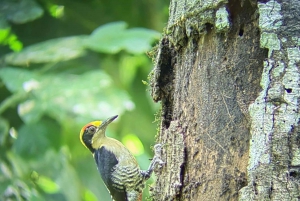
<point>227,76</point>
<point>274,164</point>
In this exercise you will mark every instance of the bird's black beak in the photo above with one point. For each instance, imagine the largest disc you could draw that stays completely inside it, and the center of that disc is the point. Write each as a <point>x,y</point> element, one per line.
<point>107,121</point>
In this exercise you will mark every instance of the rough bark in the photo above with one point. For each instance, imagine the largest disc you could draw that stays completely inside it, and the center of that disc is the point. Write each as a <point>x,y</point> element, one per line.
<point>227,76</point>
<point>274,164</point>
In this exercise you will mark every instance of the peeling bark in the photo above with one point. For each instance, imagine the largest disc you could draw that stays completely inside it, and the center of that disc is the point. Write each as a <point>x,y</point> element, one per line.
<point>229,95</point>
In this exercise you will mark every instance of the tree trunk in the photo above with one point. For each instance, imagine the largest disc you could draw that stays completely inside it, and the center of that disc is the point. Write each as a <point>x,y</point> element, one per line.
<point>227,76</point>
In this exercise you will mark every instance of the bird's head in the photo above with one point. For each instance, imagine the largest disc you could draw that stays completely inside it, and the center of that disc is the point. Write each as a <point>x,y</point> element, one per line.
<point>93,131</point>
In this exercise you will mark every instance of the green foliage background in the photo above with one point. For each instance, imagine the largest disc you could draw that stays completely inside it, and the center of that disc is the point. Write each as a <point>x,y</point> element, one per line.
<point>64,63</point>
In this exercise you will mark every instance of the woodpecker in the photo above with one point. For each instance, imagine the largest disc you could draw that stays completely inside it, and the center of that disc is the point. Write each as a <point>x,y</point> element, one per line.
<point>118,168</point>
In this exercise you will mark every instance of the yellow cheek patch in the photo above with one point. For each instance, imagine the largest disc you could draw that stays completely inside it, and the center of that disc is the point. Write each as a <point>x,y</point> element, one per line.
<point>93,123</point>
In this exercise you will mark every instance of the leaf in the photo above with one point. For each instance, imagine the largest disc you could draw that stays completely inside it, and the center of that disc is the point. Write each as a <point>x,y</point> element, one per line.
<point>34,139</point>
<point>134,144</point>
<point>20,12</point>
<point>3,23</point>
<point>18,166</point>
<point>4,34</point>
<point>3,186</point>
<point>66,176</point>
<point>63,96</point>
<point>31,111</point>
<point>114,37</point>
<point>4,127</point>
<point>14,78</point>
<point>7,37</point>
<point>106,38</point>
<point>138,40</point>
<point>130,65</point>
<point>47,185</point>
<point>89,195</point>
<point>54,50</point>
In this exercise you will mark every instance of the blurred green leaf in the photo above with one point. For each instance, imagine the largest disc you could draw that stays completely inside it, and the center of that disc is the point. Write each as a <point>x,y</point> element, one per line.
<point>134,144</point>
<point>86,96</point>
<point>114,37</point>
<point>106,38</point>
<point>3,186</point>
<point>56,11</point>
<point>20,11</point>
<point>55,50</point>
<point>34,176</point>
<point>9,38</point>
<point>34,197</point>
<point>69,182</point>
<point>3,22</point>
<point>15,79</point>
<point>13,193</point>
<point>4,127</point>
<point>15,45</point>
<point>5,171</point>
<point>31,111</point>
<point>138,40</point>
<point>34,139</point>
<point>19,167</point>
<point>130,65</point>
<point>47,185</point>
<point>89,195</point>
<point>53,162</point>
<point>3,33</point>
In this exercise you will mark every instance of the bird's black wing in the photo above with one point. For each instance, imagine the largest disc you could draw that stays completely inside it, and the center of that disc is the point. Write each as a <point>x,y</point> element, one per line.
<point>106,161</point>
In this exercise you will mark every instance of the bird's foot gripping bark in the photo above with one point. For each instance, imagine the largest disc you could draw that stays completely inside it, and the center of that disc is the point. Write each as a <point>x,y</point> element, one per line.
<point>156,162</point>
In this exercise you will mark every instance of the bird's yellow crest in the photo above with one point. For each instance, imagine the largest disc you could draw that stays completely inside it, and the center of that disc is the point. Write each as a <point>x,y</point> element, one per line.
<point>93,123</point>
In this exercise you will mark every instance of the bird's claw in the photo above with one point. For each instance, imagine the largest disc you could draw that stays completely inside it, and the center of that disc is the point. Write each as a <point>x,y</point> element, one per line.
<point>157,161</point>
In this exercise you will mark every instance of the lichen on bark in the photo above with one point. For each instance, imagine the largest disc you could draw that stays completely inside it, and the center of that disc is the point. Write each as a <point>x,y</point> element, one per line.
<point>215,59</point>
<point>273,169</point>
<point>207,72</point>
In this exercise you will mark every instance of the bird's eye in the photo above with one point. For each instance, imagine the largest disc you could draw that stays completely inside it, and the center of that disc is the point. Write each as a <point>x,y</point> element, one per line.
<point>91,129</point>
